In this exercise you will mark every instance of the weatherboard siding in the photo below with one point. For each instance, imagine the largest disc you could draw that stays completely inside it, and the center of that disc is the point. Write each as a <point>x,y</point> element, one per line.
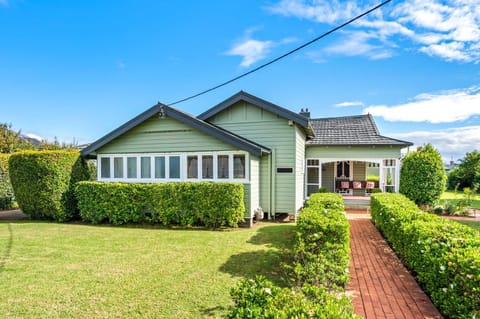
<point>254,195</point>
<point>352,152</point>
<point>269,130</point>
<point>157,135</point>
<point>299,167</point>
<point>328,178</point>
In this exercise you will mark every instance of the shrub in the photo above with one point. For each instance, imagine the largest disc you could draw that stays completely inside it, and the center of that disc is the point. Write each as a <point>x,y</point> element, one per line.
<point>207,204</point>
<point>43,183</point>
<point>322,243</point>
<point>7,198</point>
<point>321,257</point>
<point>259,298</point>
<point>443,253</point>
<point>422,176</point>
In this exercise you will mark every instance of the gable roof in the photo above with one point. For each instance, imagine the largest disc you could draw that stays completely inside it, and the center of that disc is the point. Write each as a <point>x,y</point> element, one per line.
<point>165,110</point>
<point>358,130</point>
<point>261,103</point>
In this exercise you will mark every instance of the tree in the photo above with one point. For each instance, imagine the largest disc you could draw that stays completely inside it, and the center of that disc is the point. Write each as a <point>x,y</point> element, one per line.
<point>469,170</point>
<point>422,176</point>
<point>11,141</point>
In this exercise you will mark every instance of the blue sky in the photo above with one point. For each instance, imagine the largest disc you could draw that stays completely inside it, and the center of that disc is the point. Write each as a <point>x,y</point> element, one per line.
<point>79,69</point>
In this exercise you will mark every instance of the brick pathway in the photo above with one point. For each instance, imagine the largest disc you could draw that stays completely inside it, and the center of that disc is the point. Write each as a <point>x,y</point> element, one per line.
<point>380,285</point>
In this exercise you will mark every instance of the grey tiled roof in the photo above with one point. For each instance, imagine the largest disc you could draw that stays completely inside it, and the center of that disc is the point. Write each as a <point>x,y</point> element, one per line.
<point>350,130</point>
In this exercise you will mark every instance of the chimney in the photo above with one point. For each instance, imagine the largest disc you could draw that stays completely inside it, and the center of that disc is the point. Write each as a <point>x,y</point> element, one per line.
<point>305,113</point>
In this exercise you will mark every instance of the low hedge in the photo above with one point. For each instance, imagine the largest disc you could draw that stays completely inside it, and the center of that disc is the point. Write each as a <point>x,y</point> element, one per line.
<point>206,204</point>
<point>43,182</point>
<point>7,199</point>
<point>259,299</point>
<point>320,267</point>
<point>442,253</point>
<point>322,244</point>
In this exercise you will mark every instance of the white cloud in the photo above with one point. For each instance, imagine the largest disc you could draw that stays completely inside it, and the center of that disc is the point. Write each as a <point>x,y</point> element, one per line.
<point>451,143</point>
<point>34,136</point>
<point>348,104</point>
<point>251,51</point>
<point>444,107</point>
<point>448,29</point>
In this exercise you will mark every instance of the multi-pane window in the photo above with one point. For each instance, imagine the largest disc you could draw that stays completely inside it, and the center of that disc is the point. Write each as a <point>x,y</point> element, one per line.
<point>146,168</point>
<point>343,169</point>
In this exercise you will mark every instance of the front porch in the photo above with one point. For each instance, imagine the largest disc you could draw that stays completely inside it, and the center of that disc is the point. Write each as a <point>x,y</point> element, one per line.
<point>352,177</point>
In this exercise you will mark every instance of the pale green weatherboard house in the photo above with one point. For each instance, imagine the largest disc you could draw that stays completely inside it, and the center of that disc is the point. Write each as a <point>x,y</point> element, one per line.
<point>280,156</point>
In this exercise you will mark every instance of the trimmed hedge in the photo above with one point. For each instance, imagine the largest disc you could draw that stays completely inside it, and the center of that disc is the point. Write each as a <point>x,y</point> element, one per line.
<point>206,204</point>
<point>321,259</point>
<point>259,299</point>
<point>7,198</point>
<point>322,244</point>
<point>43,183</point>
<point>444,254</point>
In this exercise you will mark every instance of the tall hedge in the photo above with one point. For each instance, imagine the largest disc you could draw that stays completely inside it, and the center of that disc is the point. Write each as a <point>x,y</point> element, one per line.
<point>204,203</point>
<point>43,182</point>
<point>6,190</point>
<point>422,176</point>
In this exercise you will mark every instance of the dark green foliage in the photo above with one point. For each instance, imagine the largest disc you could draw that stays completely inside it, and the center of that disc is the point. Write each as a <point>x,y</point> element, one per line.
<point>422,176</point>
<point>206,204</point>
<point>444,254</point>
<point>321,258</point>
<point>43,183</point>
<point>6,191</point>
<point>467,174</point>
<point>260,299</point>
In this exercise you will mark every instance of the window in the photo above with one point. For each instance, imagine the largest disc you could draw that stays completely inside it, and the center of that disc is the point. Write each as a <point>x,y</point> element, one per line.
<point>313,176</point>
<point>222,166</point>
<point>159,166</point>
<point>192,166</point>
<point>207,166</point>
<point>118,167</point>
<point>343,169</point>
<point>105,167</point>
<point>145,167</point>
<point>174,166</point>
<point>238,166</point>
<point>131,167</point>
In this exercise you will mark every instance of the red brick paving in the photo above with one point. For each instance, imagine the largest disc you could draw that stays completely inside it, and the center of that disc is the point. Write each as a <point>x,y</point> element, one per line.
<point>379,283</point>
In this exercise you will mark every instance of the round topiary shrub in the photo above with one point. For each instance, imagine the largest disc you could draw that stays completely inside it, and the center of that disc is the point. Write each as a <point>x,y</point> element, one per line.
<point>43,182</point>
<point>422,176</point>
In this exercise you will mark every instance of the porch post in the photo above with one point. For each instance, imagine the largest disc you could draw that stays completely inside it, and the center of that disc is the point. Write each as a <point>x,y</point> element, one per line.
<point>381,177</point>
<point>397,175</point>
<point>320,163</point>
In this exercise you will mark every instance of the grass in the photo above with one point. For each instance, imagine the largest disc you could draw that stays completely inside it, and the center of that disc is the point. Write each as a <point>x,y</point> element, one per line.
<point>470,223</point>
<point>452,196</point>
<point>52,270</point>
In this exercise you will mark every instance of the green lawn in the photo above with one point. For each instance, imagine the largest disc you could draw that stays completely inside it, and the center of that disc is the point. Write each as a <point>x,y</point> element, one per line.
<point>52,270</point>
<point>450,195</point>
<point>471,223</point>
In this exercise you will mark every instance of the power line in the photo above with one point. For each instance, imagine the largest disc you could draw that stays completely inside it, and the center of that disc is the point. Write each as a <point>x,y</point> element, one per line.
<point>283,55</point>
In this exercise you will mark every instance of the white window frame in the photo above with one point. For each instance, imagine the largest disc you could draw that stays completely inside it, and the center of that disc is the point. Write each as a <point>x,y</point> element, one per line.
<point>183,167</point>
